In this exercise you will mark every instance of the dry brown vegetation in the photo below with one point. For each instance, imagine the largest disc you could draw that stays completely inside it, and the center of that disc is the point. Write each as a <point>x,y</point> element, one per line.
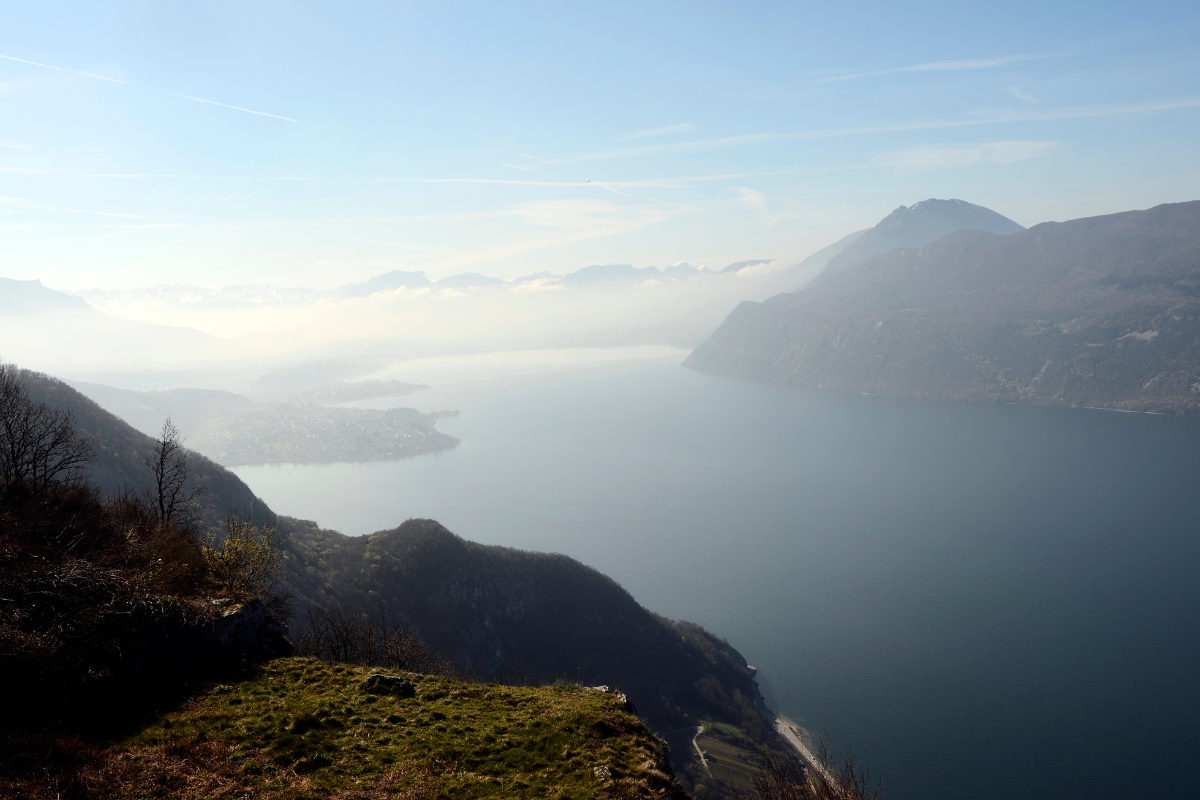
<point>378,639</point>
<point>105,612</point>
<point>194,769</point>
<point>839,778</point>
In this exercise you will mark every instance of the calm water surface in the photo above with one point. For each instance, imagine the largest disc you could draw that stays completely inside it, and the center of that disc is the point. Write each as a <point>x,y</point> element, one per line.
<point>985,601</point>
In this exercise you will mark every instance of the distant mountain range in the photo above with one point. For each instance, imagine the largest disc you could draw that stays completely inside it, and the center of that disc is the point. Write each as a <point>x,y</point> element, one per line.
<point>39,325</point>
<point>226,337</point>
<point>1100,312</point>
<point>21,298</point>
<point>597,275</point>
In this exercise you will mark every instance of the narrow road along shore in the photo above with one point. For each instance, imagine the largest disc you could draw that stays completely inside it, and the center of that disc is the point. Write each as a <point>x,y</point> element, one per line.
<point>792,735</point>
<point>699,752</point>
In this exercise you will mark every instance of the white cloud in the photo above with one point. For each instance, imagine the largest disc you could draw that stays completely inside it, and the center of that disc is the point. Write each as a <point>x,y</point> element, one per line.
<point>765,267</point>
<point>537,285</point>
<point>556,223</point>
<point>64,69</point>
<point>739,140</point>
<point>948,66</point>
<point>612,186</point>
<point>926,157</point>
<point>686,126</point>
<point>499,181</point>
<point>197,177</point>
<point>25,204</point>
<point>164,91</point>
<point>226,105</point>
<point>583,215</point>
<point>1020,94</point>
<point>752,198</point>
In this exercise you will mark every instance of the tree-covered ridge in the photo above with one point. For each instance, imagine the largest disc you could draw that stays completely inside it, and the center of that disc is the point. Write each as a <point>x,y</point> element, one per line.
<point>121,453</point>
<point>494,613</point>
<point>531,618</point>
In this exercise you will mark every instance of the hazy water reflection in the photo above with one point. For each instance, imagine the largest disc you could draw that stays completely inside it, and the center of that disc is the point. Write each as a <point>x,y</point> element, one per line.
<point>987,601</point>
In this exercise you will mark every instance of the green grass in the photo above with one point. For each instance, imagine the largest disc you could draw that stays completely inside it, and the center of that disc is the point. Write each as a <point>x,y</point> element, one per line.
<point>304,728</point>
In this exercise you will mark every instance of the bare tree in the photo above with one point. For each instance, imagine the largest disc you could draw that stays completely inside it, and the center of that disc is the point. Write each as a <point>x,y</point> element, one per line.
<point>374,640</point>
<point>39,446</point>
<point>173,499</point>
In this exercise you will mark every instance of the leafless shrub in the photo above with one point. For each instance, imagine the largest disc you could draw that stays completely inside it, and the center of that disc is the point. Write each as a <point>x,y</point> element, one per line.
<point>39,446</point>
<point>96,599</point>
<point>839,777</point>
<point>59,767</point>
<point>375,640</point>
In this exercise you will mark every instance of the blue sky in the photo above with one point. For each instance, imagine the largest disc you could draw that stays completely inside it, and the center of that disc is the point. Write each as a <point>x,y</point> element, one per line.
<point>314,144</point>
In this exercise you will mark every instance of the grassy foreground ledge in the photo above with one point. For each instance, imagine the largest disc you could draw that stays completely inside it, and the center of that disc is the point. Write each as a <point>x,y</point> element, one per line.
<point>304,728</point>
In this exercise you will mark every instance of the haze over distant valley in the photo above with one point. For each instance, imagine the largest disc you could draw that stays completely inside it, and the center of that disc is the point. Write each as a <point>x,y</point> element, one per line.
<point>305,427</point>
<point>599,401</point>
<point>217,335</point>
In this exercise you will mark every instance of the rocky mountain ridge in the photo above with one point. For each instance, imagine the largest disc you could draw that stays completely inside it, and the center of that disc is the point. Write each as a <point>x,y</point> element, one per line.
<point>1099,312</point>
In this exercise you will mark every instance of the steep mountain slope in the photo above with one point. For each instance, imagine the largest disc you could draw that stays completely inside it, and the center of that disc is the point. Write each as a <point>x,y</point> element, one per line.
<point>506,615</point>
<point>1102,311</point>
<point>120,450</point>
<point>913,226</point>
<point>791,278</point>
<point>513,616</point>
<point>187,408</point>
<point>821,258</point>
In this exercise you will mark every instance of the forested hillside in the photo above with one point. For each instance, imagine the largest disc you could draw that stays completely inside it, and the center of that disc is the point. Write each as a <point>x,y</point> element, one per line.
<point>497,614</point>
<point>121,451</point>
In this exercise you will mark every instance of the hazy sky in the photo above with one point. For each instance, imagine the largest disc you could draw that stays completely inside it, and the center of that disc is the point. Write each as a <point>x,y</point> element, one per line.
<point>319,143</point>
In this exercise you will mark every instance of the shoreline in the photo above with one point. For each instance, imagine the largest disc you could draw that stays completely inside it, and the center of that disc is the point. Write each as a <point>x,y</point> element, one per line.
<point>793,734</point>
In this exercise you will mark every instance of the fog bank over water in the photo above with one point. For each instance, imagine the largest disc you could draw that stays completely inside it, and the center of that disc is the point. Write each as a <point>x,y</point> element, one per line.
<point>480,371</point>
<point>951,588</point>
<point>186,336</point>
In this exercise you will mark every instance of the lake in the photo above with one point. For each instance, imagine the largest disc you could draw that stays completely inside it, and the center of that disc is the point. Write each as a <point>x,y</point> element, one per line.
<point>984,601</point>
